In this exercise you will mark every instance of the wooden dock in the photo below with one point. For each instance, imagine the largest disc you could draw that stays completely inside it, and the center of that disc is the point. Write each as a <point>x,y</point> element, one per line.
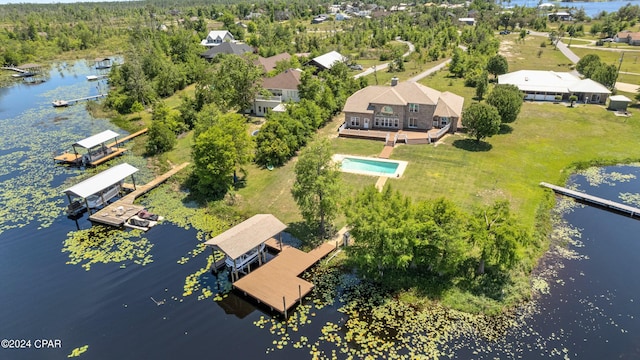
<point>113,149</point>
<point>64,103</point>
<point>276,283</point>
<point>590,199</point>
<point>109,215</point>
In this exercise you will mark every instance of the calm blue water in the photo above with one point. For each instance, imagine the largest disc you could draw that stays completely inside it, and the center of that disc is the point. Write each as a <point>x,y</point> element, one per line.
<point>369,166</point>
<point>591,309</point>
<point>591,8</point>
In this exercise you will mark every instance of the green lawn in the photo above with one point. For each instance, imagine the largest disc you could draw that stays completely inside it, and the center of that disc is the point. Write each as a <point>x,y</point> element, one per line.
<point>630,61</point>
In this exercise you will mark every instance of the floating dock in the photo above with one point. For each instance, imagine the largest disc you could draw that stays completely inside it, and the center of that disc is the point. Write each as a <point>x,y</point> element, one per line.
<point>64,103</point>
<point>590,199</point>
<point>276,283</point>
<point>110,215</point>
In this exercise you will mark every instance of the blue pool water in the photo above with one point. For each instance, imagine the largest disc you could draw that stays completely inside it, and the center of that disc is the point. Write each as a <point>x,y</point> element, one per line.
<point>369,166</point>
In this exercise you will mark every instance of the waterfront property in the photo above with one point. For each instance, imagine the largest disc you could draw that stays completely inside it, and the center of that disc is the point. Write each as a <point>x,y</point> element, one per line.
<point>407,106</point>
<point>97,190</point>
<point>543,85</point>
<point>283,88</point>
<point>370,166</point>
<point>275,283</point>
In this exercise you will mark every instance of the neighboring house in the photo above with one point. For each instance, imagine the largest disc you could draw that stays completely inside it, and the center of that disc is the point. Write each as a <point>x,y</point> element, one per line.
<point>628,37</point>
<point>326,61</point>
<point>342,17</point>
<point>283,88</point>
<point>227,48</point>
<point>560,16</point>
<point>269,63</point>
<point>547,85</point>
<point>404,106</point>
<point>468,21</point>
<point>319,19</point>
<point>217,37</point>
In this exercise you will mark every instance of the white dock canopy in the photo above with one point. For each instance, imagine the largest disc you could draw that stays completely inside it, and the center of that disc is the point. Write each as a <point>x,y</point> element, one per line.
<point>97,139</point>
<point>247,235</point>
<point>102,181</point>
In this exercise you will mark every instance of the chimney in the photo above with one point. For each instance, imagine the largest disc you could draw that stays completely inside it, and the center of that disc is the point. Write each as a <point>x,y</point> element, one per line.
<point>394,81</point>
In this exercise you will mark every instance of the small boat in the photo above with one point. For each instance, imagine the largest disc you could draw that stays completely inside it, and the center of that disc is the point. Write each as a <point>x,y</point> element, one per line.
<point>60,103</point>
<point>97,200</point>
<point>144,221</point>
<point>245,259</point>
<point>95,77</point>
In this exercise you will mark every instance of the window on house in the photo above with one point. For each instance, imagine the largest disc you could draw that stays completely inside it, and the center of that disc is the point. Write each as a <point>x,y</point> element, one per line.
<point>436,123</point>
<point>444,121</point>
<point>414,108</point>
<point>413,123</point>
<point>355,121</point>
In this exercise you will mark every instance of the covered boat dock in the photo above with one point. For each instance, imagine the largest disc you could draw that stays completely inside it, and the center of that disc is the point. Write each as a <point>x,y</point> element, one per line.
<point>101,188</point>
<point>244,242</point>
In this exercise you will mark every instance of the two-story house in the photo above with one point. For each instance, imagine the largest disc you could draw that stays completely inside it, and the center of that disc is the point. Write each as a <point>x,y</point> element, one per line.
<point>402,106</point>
<point>217,37</point>
<point>282,88</point>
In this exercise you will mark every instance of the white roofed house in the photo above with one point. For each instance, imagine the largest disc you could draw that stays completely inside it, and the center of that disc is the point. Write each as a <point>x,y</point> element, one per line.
<point>282,88</point>
<point>217,37</point>
<point>543,85</point>
<point>326,61</point>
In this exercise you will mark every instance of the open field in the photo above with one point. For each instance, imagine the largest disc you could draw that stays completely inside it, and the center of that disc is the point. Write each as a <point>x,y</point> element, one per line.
<point>528,55</point>
<point>630,61</point>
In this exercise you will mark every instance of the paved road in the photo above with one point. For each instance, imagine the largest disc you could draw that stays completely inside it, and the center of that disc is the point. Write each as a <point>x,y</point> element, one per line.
<point>430,71</point>
<point>379,67</point>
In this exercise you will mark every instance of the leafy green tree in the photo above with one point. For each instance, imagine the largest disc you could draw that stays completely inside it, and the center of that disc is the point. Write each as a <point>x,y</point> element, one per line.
<point>441,241</point>
<point>235,82</point>
<point>497,65</point>
<point>160,138</point>
<point>384,230</point>
<point>317,186</point>
<point>213,156</point>
<point>482,83</point>
<point>457,66</point>
<point>588,65</point>
<point>136,107</point>
<point>507,99</point>
<point>606,74</point>
<point>497,235</point>
<point>481,120</point>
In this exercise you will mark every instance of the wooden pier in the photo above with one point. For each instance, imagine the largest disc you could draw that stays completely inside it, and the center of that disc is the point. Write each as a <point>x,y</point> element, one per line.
<point>276,283</point>
<point>64,103</point>
<point>118,212</point>
<point>113,150</point>
<point>590,199</point>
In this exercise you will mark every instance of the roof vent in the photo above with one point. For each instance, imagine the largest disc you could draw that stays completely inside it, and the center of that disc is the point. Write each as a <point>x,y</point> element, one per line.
<point>526,78</point>
<point>394,81</point>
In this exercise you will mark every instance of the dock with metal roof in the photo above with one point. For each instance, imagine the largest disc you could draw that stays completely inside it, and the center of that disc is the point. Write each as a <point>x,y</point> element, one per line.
<point>97,149</point>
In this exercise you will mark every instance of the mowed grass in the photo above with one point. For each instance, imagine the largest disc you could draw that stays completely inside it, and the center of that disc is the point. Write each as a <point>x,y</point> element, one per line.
<point>630,61</point>
<point>543,144</point>
<point>529,55</point>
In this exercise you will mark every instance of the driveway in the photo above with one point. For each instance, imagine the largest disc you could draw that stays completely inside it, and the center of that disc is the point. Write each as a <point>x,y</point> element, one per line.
<point>379,67</point>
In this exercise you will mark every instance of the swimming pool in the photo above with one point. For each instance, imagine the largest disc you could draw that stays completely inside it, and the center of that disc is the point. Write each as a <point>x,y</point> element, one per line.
<point>370,166</point>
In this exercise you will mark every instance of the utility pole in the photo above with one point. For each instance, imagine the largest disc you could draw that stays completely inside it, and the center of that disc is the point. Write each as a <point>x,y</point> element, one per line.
<point>618,73</point>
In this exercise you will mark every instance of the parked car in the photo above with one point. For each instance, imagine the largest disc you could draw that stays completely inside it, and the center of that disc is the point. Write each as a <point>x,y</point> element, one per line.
<point>356,67</point>
<point>505,32</point>
<point>607,40</point>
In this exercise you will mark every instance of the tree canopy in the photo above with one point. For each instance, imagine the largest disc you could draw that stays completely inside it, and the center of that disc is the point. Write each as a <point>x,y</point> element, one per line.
<point>481,120</point>
<point>317,186</point>
<point>235,82</point>
<point>497,65</point>
<point>507,99</point>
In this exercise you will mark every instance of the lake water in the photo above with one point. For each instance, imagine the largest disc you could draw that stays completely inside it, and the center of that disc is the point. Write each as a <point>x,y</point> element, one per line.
<point>591,8</point>
<point>126,310</point>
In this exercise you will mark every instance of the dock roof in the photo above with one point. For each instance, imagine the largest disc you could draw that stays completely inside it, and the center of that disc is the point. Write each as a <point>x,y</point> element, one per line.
<point>101,181</point>
<point>97,139</point>
<point>247,235</point>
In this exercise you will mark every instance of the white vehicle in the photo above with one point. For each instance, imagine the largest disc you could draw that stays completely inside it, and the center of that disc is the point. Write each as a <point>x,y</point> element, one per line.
<point>245,259</point>
<point>97,200</point>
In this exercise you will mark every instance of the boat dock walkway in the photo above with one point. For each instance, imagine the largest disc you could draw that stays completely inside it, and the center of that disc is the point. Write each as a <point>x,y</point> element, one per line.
<point>110,215</point>
<point>608,204</point>
<point>13,68</point>
<point>276,283</point>
<point>62,103</point>
<point>112,149</point>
